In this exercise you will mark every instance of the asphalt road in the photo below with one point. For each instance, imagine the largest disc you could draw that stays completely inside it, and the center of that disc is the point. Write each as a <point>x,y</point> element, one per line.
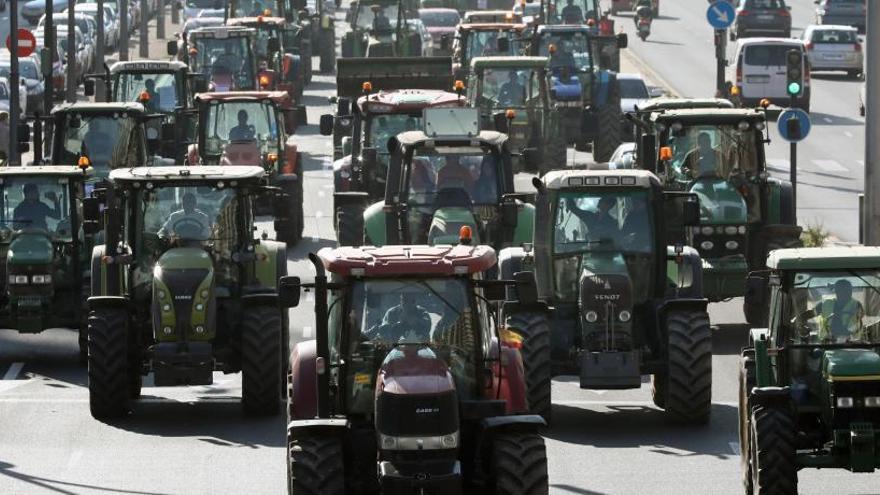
<point>195,440</point>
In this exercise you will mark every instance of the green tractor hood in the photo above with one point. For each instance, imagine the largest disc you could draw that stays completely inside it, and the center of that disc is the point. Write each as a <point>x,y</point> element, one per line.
<point>183,295</point>
<point>720,202</point>
<point>30,247</point>
<point>447,223</point>
<point>851,365</point>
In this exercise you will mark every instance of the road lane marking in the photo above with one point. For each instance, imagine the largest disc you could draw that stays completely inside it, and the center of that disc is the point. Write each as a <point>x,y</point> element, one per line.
<point>827,120</point>
<point>860,163</point>
<point>734,447</point>
<point>830,166</point>
<point>307,332</point>
<point>848,134</point>
<point>13,371</point>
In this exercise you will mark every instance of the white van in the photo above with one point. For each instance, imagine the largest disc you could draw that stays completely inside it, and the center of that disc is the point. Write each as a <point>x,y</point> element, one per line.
<point>760,72</point>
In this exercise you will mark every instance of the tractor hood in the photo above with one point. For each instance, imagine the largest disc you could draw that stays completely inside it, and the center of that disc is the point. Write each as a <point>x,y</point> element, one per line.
<point>605,302</point>
<point>720,202</point>
<point>846,364</point>
<point>569,90</point>
<point>30,247</point>
<point>447,223</point>
<point>183,295</point>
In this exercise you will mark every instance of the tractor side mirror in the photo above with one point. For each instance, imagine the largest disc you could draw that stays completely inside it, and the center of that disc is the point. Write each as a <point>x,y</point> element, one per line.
<point>509,214</point>
<point>89,87</point>
<point>273,45</point>
<point>526,288</point>
<point>167,132</point>
<point>530,155</point>
<point>289,291</point>
<point>369,155</point>
<point>326,125</point>
<point>502,45</point>
<point>171,48</point>
<point>91,208</point>
<point>494,290</point>
<point>290,121</point>
<point>24,133</point>
<point>757,289</point>
<point>622,40</point>
<point>691,212</point>
<point>648,152</point>
<point>91,228</point>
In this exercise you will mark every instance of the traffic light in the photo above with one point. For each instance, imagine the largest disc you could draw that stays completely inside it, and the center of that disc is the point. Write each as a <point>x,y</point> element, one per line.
<point>794,72</point>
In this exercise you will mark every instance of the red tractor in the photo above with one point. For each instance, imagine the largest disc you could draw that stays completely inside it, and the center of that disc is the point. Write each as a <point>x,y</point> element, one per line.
<point>411,385</point>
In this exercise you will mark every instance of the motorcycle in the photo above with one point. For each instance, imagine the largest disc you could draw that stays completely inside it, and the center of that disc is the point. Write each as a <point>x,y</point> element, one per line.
<point>643,22</point>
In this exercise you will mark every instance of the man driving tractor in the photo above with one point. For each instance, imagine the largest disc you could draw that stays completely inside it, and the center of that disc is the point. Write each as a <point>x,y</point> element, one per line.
<point>189,215</point>
<point>32,213</point>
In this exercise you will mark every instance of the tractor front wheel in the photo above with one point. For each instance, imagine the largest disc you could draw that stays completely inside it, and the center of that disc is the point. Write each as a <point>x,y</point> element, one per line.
<point>772,452</point>
<point>555,153</point>
<point>535,333</point>
<point>315,466</point>
<point>109,382</point>
<point>261,360</point>
<point>689,368</point>
<point>519,464</point>
<point>350,225</point>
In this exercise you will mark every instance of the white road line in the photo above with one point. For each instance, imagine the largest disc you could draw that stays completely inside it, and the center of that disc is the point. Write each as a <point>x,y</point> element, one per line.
<point>860,163</point>
<point>848,134</point>
<point>830,166</point>
<point>779,162</point>
<point>13,371</point>
<point>307,332</point>
<point>827,120</point>
<point>734,447</point>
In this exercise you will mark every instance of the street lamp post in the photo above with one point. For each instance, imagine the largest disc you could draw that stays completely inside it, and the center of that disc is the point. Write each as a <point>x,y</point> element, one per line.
<point>871,219</point>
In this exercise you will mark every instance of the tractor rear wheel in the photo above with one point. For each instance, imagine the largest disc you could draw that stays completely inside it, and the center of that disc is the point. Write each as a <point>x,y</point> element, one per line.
<point>555,153</point>
<point>746,383</point>
<point>261,360</point>
<point>609,134</point>
<point>292,233</point>
<point>772,452</point>
<point>350,225</point>
<point>109,382</point>
<point>519,464</point>
<point>689,375</point>
<point>536,358</point>
<point>315,466</point>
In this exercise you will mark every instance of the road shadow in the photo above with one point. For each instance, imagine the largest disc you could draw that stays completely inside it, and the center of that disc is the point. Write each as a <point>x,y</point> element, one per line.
<point>50,357</point>
<point>564,488</point>
<point>834,76</point>
<point>318,84</point>
<point>312,101</point>
<point>819,119</point>
<point>659,42</point>
<point>315,161</point>
<point>644,427</point>
<point>729,339</point>
<point>59,486</point>
<point>308,245</point>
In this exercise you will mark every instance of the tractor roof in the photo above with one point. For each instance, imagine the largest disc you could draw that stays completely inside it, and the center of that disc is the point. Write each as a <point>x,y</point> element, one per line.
<point>128,107</point>
<point>566,28</point>
<point>221,32</point>
<point>408,100</point>
<point>414,138</point>
<point>500,16</point>
<point>281,98</point>
<point>147,66</point>
<point>571,179</point>
<point>492,26</point>
<point>186,174</point>
<point>826,258</point>
<point>508,62</point>
<point>406,261</point>
<point>665,103</point>
<point>713,115</point>
<point>255,21</point>
<point>57,170</point>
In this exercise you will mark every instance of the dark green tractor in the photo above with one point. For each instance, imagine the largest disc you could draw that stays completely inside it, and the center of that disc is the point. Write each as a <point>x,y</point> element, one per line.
<point>609,258</point>
<point>513,95</point>
<point>44,249</point>
<point>181,288</point>
<point>718,154</point>
<point>443,178</point>
<point>810,381</point>
<point>380,28</point>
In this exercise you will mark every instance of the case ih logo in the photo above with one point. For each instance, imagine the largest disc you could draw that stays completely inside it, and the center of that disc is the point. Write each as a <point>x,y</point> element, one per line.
<point>427,410</point>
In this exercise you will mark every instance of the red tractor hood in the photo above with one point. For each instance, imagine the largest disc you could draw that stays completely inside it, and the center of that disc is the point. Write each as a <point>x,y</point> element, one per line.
<point>413,369</point>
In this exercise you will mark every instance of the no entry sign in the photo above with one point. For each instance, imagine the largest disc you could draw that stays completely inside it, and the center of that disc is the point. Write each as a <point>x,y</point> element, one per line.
<point>26,43</point>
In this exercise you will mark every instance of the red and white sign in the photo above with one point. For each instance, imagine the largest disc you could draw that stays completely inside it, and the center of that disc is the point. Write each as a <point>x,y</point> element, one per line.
<point>26,43</point>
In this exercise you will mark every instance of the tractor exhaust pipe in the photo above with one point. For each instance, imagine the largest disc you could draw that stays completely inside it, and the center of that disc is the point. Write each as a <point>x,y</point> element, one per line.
<point>322,347</point>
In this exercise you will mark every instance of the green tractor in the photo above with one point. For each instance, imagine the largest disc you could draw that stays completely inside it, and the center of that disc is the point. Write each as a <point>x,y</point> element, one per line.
<point>44,249</point>
<point>181,288</point>
<point>379,28</point>
<point>718,154</point>
<point>513,95</point>
<point>448,176</point>
<point>609,258</point>
<point>810,382</point>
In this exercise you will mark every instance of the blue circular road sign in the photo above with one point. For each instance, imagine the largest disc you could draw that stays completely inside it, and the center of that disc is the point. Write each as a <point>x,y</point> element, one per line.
<point>782,123</point>
<point>721,14</point>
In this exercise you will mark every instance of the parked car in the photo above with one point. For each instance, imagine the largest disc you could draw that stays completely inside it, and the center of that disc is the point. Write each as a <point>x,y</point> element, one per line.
<point>192,8</point>
<point>86,25</point>
<point>440,23</point>
<point>59,72</point>
<point>630,5</point>
<point>832,47</point>
<point>427,41</point>
<point>5,98</point>
<point>761,18</point>
<point>847,12</point>
<point>633,92</point>
<point>31,77</point>
<point>760,72</point>
<point>33,10</point>
<point>111,26</point>
<point>624,157</point>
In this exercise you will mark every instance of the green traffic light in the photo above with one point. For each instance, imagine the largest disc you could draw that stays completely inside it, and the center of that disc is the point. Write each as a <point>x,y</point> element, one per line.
<point>794,88</point>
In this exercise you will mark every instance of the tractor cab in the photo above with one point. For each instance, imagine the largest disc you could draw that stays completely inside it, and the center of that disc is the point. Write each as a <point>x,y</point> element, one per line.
<point>277,69</point>
<point>810,380</point>
<point>411,368</point>
<point>494,39</point>
<point>224,55</point>
<point>380,28</point>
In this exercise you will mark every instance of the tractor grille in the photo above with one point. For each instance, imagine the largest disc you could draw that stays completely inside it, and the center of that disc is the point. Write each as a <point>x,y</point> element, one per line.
<point>415,415</point>
<point>183,284</point>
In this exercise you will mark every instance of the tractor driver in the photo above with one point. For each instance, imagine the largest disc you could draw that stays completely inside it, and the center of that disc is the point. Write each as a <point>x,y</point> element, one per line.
<point>152,104</point>
<point>561,56</point>
<point>600,224</point>
<point>512,92</point>
<point>32,212</point>
<point>243,131</point>
<point>703,161</point>
<point>572,14</point>
<point>380,21</point>
<point>840,317</point>
<point>407,321</point>
<point>188,222</point>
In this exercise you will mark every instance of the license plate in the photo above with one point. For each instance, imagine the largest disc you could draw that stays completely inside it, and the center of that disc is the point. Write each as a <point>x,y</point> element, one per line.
<point>835,56</point>
<point>758,79</point>
<point>765,17</point>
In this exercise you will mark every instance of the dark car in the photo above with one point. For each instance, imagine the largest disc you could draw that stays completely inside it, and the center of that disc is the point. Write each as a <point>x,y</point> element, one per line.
<point>842,12</point>
<point>761,18</point>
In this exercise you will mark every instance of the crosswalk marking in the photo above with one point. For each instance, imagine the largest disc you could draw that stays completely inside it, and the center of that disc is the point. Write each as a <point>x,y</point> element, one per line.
<point>830,166</point>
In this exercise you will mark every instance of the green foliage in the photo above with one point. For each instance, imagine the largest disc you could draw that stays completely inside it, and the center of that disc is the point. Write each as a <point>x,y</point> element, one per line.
<point>814,236</point>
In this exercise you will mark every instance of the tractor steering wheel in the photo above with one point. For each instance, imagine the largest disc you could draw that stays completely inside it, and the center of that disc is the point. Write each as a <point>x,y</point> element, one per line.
<point>189,228</point>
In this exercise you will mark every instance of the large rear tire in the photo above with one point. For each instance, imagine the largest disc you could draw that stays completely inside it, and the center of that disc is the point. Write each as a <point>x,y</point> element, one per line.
<point>315,466</point>
<point>772,448</point>
<point>689,375</point>
<point>555,153</point>
<point>109,382</point>
<point>261,360</point>
<point>519,464</point>
<point>609,136</point>
<point>536,358</point>
<point>746,383</point>
<point>350,225</point>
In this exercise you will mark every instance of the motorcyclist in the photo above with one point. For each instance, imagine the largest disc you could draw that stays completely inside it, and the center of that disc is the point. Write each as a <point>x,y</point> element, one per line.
<point>644,9</point>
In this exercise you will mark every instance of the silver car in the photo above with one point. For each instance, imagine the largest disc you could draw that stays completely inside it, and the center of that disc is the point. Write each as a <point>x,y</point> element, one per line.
<point>831,47</point>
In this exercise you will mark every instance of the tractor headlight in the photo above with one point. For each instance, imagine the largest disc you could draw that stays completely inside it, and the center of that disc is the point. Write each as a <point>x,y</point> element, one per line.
<point>18,279</point>
<point>707,230</point>
<point>741,229</point>
<point>41,279</point>
<point>166,307</point>
<point>161,294</point>
<point>873,401</point>
<point>450,441</point>
<point>730,230</point>
<point>200,329</point>
<point>200,307</point>
<point>624,316</point>
<point>167,330</point>
<point>731,245</point>
<point>591,316</point>
<point>707,245</point>
<point>845,402</point>
<point>388,442</point>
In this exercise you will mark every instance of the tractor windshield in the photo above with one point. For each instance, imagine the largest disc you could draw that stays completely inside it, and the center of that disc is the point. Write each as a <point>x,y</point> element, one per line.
<point>509,87</point>
<point>161,87</point>
<point>462,177</point>
<point>261,41</point>
<point>241,132</point>
<point>383,18</point>
<point>567,50</point>
<point>714,152</point>
<point>380,128</point>
<point>388,313</point>
<point>485,44</point>
<point>227,62</point>
<point>572,12</point>
<point>109,141</point>
<point>35,202</point>
<point>834,307</point>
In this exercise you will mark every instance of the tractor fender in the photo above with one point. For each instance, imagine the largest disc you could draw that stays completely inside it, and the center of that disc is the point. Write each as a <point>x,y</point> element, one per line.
<point>489,427</point>
<point>342,174</point>
<point>602,90</point>
<point>682,304</point>
<point>508,380</point>
<point>260,299</point>
<point>375,224</point>
<point>107,302</point>
<point>270,263</point>
<point>688,278</point>
<point>300,428</point>
<point>99,272</point>
<point>780,207</point>
<point>525,224</point>
<point>775,397</point>
<point>303,381</point>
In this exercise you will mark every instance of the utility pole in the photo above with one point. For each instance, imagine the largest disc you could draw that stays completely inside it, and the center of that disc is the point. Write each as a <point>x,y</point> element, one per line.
<point>50,44</point>
<point>144,45</point>
<point>160,21</point>
<point>72,72</point>
<point>175,12</point>
<point>100,90</point>
<point>720,60</point>
<point>14,105</point>
<point>872,128</point>
<point>123,31</point>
